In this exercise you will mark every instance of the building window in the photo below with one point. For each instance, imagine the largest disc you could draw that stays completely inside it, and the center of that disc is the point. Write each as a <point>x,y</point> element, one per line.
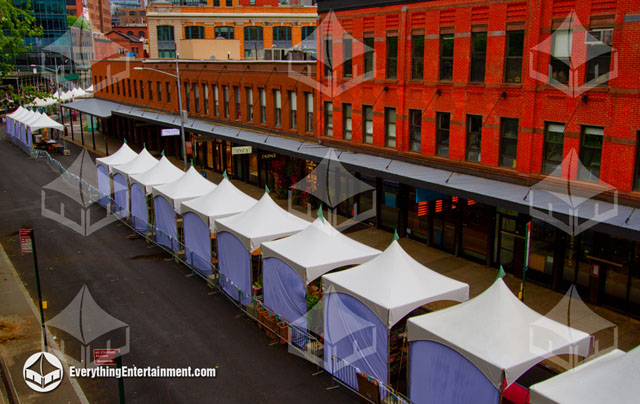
<point>252,41</point>
<point>367,124</point>
<point>328,56</point>
<point>187,96</point>
<point>478,56</point>
<point>443,123</point>
<point>347,122</point>
<point>636,180</point>
<point>277,107</point>
<point>168,92</point>
<point>417,57</point>
<point>129,87</point>
<point>446,57</point>
<point>392,57</point>
<point>165,33</point>
<point>560,61</point>
<point>196,97</point>
<point>591,153</point>
<point>194,32</point>
<point>253,33</point>
<point>415,130</point>
<point>249,95</point>
<point>390,127</point>
<point>236,95</point>
<point>599,55</point>
<point>369,53</point>
<point>347,55</point>
<point>513,57</point>
<point>553,146</point>
<point>225,100</point>
<point>282,37</point>
<point>474,137</point>
<point>223,33</point>
<point>141,89</point>
<point>159,90</point>
<point>150,86</point>
<point>263,105</point>
<point>205,98</point>
<point>229,3</point>
<point>308,112</point>
<point>216,100</point>
<point>117,87</point>
<point>508,142</point>
<point>293,110</point>
<point>328,118</point>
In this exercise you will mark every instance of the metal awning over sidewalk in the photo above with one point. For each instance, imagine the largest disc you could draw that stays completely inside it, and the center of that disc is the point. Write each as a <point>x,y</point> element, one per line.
<point>564,209</point>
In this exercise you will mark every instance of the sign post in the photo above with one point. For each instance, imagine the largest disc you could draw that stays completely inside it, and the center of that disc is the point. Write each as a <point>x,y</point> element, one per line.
<point>28,245</point>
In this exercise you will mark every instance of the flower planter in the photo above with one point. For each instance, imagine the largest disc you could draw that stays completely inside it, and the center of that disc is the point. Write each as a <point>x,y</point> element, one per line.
<point>283,332</point>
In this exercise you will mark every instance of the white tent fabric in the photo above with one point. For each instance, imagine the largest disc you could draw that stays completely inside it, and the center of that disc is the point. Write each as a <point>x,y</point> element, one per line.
<point>122,156</point>
<point>224,201</point>
<point>89,89</point>
<point>190,186</point>
<point>265,221</point>
<point>497,332</point>
<point>162,173</point>
<point>40,121</point>
<point>144,161</point>
<point>393,284</point>
<point>610,378</point>
<point>306,252</point>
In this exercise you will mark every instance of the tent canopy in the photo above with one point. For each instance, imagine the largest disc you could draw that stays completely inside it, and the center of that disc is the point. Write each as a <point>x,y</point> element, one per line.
<point>306,252</point>
<point>265,221</point>
<point>497,332</point>
<point>162,173</point>
<point>122,156</point>
<point>393,284</point>
<point>610,378</point>
<point>225,200</point>
<point>16,113</point>
<point>191,185</point>
<point>143,162</point>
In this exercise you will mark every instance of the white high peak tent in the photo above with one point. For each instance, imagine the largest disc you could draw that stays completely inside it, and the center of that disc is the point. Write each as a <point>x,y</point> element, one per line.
<point>492,338</point>
<point>380,293</point>
<point>610,378</point>
<point>224,201</point>
<point>89,89</point>
<point>190,186</point>
<point>242,234</point>
<point>200,215</point>
<point>163,172</point>
<point>121,174</point>
<point>306,252</point>
<point>104,166</point>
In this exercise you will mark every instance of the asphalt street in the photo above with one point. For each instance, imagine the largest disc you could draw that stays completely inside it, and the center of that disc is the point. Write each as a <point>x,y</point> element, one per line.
<point>173,320</point>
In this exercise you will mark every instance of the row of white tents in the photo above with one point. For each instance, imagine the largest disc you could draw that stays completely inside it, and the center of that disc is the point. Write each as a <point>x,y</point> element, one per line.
<point>470,352</point>
<point>63,96</point>
<point>23,122</point>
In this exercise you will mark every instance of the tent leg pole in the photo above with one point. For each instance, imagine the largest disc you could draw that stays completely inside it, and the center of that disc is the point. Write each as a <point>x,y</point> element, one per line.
<point>71,124</point>
<point>93,134</point>
<point>81,129</point>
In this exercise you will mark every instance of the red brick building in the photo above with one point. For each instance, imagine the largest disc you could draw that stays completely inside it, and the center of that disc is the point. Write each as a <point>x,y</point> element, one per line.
<point>124,44</point>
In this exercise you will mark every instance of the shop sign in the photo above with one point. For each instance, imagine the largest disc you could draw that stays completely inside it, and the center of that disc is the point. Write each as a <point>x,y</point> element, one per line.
<point>267,156</point>
<point>170,132</point>
<point>240,150</point>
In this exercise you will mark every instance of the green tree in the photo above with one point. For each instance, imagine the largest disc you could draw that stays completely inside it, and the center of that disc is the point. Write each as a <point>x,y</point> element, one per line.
<point>16,23</point>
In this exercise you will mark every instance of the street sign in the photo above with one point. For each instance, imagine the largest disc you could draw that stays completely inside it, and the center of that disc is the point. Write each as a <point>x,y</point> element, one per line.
<point>25,241</point>
<point>105,357</point>
<point>241,150</point>
<point>170,132</point>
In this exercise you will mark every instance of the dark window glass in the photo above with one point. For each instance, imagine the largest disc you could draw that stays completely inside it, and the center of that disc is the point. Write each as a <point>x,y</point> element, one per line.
<point>168,88</point>
<point>328,56</point>
<point>415,130</point>
<point>443,122</point>
<point>194,32</point>
<point>560,61</point>
<point>277,107</point>
<point>308,106</point>
<point>159,90</point>
<point>392,57</point>
<point>636,180</point>
<point>369,44</point>
<point>293,110</point>
<point>347,122</point>
<point>478,56</point>
<point>135,88</point>
<point>236,95</point>
<point>187,96</point>
<point>263,105</point>
<point>165,33</point>
<point>196,97</point>
<point>591,153</point>
<point>474,137</point>
<point>347,54</point>
<point>223,32</point>
<point>390,127</point>
<point>225,100</point>
<point>446,57</point>
<point>141,89</point>
<point>417,57</point>
<point>553,145</point>
<point>205,98</point>
<point>513,57</point>
<point>598,55</point>
<point>249,95</point>
<point>328,119</point>
<point>508,142</point>
<point>367,124</point>
<point>281,33</point>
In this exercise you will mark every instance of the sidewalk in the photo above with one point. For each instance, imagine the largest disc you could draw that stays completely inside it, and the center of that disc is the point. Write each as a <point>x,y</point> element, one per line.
<point>479,277</point>
<point>20,337</point>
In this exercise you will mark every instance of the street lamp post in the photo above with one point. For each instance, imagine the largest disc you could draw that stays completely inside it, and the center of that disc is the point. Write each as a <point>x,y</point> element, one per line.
<point>177,77</point>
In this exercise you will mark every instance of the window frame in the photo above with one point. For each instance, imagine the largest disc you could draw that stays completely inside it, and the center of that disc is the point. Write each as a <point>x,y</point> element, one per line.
<point>504,122</point>
<point>390,127</point>
<point>347,121</point>
<point>328,118</point>
<point>445,73</point>
<point>443,143</point>
<point>470,134</point>
<point>546,161</point>
<point>367,117</point>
